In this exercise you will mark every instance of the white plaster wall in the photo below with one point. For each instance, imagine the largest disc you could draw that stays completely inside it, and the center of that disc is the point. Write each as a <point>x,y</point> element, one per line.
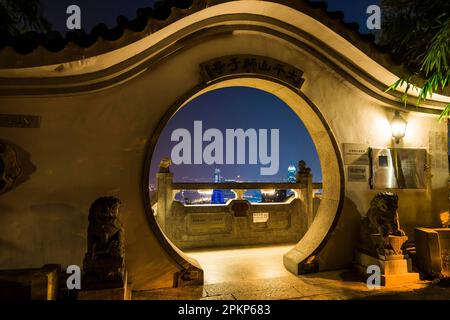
<point>94,144</point>
<point>355,117</point>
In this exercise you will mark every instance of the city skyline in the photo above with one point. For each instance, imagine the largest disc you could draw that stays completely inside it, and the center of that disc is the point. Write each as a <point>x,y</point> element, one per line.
<point>240,107</point>
<point>102,11</point>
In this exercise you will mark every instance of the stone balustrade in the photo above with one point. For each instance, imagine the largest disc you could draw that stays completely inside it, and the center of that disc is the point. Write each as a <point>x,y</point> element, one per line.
<point>238,222</point>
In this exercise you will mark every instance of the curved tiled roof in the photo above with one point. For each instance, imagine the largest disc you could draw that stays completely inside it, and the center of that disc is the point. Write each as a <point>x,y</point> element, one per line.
<point>76,45</point>
<point>153,19</point>
<point>147,18</point>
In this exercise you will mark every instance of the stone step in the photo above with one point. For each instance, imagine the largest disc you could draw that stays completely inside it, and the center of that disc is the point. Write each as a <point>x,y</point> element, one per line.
<point>388,267</point>
<point>399,279</point>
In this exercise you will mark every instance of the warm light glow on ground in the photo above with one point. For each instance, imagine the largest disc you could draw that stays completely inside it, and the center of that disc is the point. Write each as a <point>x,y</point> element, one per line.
<point>238,264</point>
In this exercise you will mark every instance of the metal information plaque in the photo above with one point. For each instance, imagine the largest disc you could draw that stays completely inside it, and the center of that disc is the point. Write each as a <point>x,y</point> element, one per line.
<point>395,168</point>
<point>357,173</point>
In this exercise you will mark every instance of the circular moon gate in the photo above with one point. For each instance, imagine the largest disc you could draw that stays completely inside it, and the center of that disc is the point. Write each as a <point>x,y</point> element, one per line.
<point>305,255</point>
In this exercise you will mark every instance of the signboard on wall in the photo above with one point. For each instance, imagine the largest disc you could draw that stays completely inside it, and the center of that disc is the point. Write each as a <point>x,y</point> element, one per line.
<point>19,121</point>
<point>251,64</point>
<point>438,150</point>
<point>356,154</point>
<point>356,158</point>
<point>260,217</point>
<point>357,173</point>
<point>207,223</point>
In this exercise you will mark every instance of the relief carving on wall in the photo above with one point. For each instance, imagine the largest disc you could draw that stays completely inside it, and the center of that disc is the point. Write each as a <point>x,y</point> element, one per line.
<point>10,169</point>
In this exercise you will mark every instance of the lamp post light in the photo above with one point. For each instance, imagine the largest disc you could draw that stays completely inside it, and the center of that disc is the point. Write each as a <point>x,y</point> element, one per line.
<point>398,126</point>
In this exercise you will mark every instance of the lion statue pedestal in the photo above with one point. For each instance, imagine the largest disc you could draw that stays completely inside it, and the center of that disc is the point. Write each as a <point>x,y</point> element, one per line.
<point>382,243</point>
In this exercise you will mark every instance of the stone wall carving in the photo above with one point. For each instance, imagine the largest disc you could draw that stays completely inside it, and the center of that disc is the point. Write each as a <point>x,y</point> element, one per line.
<point>10,169</point>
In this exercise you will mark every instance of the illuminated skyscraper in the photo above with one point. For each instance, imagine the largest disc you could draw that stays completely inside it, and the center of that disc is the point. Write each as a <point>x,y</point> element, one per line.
<point>292,172</point>
<point>217,177</point>
<point>217,195</point>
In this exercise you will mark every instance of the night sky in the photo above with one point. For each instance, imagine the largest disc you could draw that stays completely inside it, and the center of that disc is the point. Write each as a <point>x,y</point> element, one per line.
<point>240,107</point>
<point>106,11</point>
<point>218,109</point>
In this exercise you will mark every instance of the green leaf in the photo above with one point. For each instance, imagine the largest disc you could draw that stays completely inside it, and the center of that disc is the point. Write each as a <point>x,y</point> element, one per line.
<point>445,114</point>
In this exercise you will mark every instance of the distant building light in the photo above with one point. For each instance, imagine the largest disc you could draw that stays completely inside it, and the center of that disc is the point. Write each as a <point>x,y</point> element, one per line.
<point>208,192</point>
<point>292,174</point>
<point>268,192</point>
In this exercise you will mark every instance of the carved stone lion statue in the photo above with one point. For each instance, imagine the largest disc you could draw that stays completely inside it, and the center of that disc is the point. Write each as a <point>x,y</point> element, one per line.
<point>380,232</point>
<point>303,169</point>
<point>104,261</point>
<point>303,173</point>
<point>164,165</point>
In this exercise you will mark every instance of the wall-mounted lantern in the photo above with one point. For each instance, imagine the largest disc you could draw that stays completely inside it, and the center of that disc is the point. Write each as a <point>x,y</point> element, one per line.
<point>398,126</point>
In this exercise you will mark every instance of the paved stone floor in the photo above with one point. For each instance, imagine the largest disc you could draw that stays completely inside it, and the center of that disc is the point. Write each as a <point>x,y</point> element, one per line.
<point>243,263</point>
<point>258,274</point>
